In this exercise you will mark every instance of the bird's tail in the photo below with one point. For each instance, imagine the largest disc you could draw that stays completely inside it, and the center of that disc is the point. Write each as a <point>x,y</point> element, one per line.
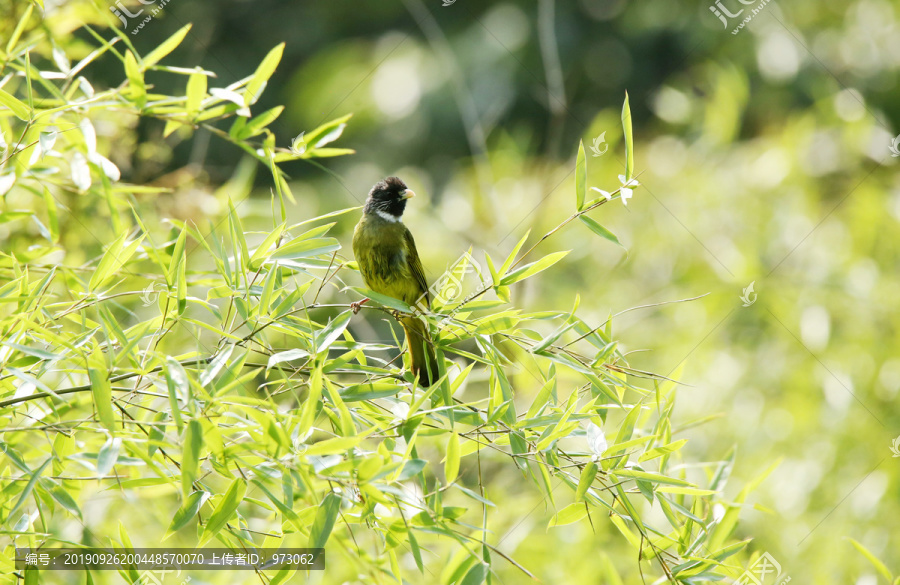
<point>423,361</point>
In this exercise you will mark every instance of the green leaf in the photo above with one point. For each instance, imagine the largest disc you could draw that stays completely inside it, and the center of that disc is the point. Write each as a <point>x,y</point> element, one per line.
<point>188,510</point>
<point>324,523</point>
<point>385,300</point>
<point>512,255</point>
<point>330,136</point>
<point>651,477</point>
<point>586,480</point>
<point>19,109</point>
<point>451,465</point>
<point>166,47</point>
<point>331,332</point>
<point>879,566</point>
<point>32,576</point>
<point>216,365</point>
<point>178,386</point>
<point>688,491</point>
<point>286,356</point>
<point>417,554</point>
<point>305,248</point>
<point>580,177</point>
<point>476,575</point>
<point>542,398</point>
<point>372,390</point>
<point>108,455</point>
<point>261,253</point>
<point>262,75</point>
<point>17,33</point>
<point>256,125</point>
<point>224,510</point>
<point>629,144</point>
<point>551,339</point>
<point>334,445</point>
<point>8,216</point>
<point>196,91</point>
<point>40,354</point>
<point>625,431</point>
<point>113,260</point>
<point>326,129</point>
<point>137,91</point>
<point>190,455</point>
<point>663,450</point>
<point>600,230</point>
<point>311,404</point>
<point>723,553</point>
<point>102,393</point>
<point>176,275</point>
<point>52,215</point>
<point>326,152</point>
<point>569,515</point>
<point>533,268</point>
<point>65,500</point>
<point>28,488</point>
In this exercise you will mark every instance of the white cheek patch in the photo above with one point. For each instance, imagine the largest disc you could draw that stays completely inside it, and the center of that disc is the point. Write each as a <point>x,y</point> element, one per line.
<point>387,216</point>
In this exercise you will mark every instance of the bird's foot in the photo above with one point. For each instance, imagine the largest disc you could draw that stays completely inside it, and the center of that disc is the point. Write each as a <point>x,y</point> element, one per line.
<point>357,304</point>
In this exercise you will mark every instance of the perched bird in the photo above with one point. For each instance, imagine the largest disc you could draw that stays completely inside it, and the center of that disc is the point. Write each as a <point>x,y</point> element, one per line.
<point>390,265</point>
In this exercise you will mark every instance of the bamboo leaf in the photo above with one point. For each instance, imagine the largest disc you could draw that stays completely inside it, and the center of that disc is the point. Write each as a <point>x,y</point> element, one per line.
<point>166,47</point>
<point>52,215</point>
<point>137,91</point>
<point>18,108</point>
<point>332,332</point>
<point>256,125</point>
<point>512,255</point>
<point>580,177</point>
<point>108,455</point>
<point>102,394</point>
<point>286,356</point>
<point>305,248</point>
<point>599,230</point>
<point>262,74</point>
<point>586,480</point>
<point>179,388</point>
<point>216,365</point>
<point>65,500</point>
<point>196,91</point>
<point>20,27</point>
<point>663,450</point>
<point>115,257</point>
<point>28,488</point>
<point>652,477</point>
<point>188,510</point>
<point>324,523</point>
<point>532,268</point>
<point>451,465</point>
<point>224,510</point>
<point>568,515</point>
<point>629,144</point>
<point>879,566</point>
<point>261,253</point>
<point>325,129</point>
<point>190,456</point>
<point>476,575</point>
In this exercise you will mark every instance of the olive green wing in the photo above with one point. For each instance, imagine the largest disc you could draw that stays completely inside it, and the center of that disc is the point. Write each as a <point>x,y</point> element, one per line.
<point>415,265</point>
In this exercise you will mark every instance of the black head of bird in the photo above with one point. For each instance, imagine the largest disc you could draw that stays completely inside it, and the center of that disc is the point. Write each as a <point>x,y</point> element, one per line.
<point>388,198</point>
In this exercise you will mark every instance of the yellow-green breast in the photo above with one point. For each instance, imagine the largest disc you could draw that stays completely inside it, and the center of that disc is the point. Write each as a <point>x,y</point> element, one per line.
<point>387,258</point>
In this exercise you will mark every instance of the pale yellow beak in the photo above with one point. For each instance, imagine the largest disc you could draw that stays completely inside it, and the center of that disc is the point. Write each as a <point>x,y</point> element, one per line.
<point>408,194</point>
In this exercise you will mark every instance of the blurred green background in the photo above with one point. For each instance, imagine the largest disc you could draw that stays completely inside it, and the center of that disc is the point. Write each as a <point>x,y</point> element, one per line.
<point>763,157</point>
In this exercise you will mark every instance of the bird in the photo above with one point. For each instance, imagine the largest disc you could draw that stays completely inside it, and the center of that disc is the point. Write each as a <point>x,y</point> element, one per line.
<point>387,257</point>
